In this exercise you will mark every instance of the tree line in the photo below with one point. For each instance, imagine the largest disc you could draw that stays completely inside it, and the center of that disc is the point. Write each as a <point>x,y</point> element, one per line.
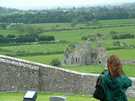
<point>81,15</point>
<point>25,38</point>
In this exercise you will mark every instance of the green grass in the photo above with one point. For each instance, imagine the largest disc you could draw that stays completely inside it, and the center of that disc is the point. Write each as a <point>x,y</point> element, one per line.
<point>39,52</point>
<point>117,21</point>
<point>71,36</point>
<point>45,59</point>
<point>128,69</point>
<point>6,32</point>
<point>46,96</point>
<point>75,35</point>
<point>125,54</point>
<point>33,48</point>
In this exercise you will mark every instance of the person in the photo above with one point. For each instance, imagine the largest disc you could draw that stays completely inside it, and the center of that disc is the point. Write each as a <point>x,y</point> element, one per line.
<point>114,81</point>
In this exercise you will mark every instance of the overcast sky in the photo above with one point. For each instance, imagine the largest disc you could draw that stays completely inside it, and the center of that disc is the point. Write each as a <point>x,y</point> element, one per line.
<point>43,4</point>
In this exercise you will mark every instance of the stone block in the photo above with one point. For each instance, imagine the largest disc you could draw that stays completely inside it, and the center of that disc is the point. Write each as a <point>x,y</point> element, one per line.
<point>57,98</point>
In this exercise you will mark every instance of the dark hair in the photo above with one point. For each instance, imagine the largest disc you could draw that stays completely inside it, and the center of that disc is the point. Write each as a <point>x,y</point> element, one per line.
<point>115,66</point>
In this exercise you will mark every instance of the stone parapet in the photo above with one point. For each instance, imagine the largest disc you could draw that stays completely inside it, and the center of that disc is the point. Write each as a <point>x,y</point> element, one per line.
<point>21,75</point>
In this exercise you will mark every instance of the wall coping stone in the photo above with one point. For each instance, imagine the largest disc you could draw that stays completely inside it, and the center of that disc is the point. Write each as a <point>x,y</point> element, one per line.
<point>35,65</point>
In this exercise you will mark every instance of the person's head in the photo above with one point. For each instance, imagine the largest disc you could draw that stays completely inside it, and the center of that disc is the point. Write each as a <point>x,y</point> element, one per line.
<point>114,66</point>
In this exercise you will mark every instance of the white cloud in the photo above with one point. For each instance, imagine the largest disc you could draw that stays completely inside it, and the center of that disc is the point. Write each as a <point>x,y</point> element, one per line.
<point>33,4</point>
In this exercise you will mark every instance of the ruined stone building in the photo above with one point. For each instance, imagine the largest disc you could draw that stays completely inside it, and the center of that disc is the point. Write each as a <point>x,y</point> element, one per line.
<point>84,54</point>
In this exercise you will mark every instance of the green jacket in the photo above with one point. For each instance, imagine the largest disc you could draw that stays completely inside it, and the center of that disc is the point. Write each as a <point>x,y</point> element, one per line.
<point>115,88</point>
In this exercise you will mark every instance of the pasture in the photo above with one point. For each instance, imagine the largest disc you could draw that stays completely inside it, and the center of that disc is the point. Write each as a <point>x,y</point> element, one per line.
<point>65,34</point>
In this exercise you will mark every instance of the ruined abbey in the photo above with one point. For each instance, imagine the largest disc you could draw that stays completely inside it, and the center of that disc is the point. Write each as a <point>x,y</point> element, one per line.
<point>84,54</point>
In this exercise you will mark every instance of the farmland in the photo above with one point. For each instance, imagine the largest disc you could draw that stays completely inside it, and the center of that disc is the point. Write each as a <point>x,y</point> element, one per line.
<point>65,34</point>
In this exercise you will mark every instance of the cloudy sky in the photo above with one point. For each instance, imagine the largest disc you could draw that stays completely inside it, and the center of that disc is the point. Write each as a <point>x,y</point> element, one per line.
<point>42,4</point>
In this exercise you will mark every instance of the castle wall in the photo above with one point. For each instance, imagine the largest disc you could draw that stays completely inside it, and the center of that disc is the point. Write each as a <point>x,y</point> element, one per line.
<point>21,75</point>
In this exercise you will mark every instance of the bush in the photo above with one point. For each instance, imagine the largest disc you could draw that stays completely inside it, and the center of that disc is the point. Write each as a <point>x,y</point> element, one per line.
<point>84,38</point>
<point>46,38</point>
<point>55,62</point>
<point>123,36</point>
<point>113,32</point>
<point>116,43</point>
<point>10,36</point>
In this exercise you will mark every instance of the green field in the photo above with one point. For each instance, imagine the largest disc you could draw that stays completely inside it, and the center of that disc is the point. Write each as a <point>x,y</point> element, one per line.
<point>128,69</point>
<point>124,54</point>
<point>45,59</point>
<point>65,34</point>
<point>46,96</point>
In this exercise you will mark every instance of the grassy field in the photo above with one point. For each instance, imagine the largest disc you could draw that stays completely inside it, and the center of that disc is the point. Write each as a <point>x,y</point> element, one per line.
<point>45,53</point>
<point>46,96</point>
<point>36,49</point>
<point>75,35</point>
<point>124,54</point>
<point>45,59</point>
<point>128,69</point>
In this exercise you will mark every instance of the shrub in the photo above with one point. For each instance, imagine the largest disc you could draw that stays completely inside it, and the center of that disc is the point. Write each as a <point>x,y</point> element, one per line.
<point>46,38</point>
<point>10,36</point>
<point>123,36</point>
<point>116,43</point>
<point>55,62</point>
<point>113,32</point>
<point>84,38</point>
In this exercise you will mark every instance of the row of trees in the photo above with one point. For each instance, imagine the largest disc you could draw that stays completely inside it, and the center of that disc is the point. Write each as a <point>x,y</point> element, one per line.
<point>69,15</point>
<point>25,38</point>
<point>118,35</point>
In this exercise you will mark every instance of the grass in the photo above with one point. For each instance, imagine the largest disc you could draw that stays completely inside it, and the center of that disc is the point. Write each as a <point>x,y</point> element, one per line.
<point>128,69</point>
<point>39,52</point>
<point>6,32</point>
<point>33,48</point>
<point>45,97</point>
<point>70,36</point>
<point>125,54</point>
<point>75,35</point>
<point>45,59</point>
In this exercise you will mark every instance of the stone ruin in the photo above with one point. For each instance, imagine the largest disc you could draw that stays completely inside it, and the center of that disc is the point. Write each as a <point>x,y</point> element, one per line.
<point>85,54</point>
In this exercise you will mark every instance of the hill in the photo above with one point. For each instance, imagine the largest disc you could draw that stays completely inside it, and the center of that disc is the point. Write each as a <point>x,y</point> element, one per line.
<point>63,15</point>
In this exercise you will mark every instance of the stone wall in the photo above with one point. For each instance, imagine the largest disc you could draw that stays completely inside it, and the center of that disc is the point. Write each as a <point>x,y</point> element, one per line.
<point>128,62</point>
<point>17,76</point>
<point>21,75</point>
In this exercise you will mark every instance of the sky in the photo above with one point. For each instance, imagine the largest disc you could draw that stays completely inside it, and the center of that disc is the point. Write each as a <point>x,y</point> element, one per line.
<point>49,4</point>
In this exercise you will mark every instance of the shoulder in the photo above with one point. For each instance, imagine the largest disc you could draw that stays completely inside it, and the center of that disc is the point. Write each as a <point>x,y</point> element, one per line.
<point>125,81</point>
<point>106,78</point>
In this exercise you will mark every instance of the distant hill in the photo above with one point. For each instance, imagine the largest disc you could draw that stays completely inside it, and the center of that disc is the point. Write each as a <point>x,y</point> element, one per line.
<point>129,5</point>
<point>6,11</point>
<point>72,15</point>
